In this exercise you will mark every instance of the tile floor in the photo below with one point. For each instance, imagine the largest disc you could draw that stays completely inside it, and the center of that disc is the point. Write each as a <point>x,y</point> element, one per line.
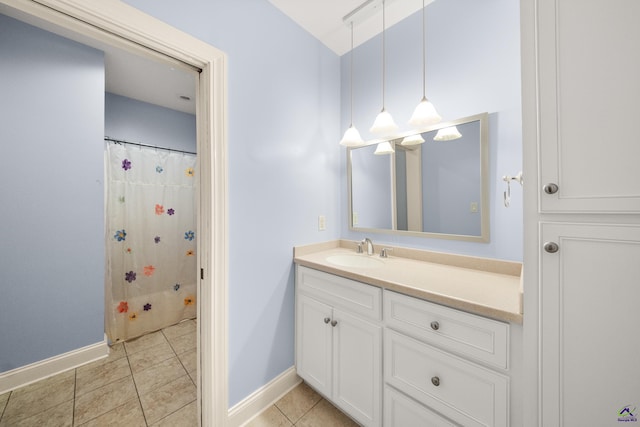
<point>302,407</point>
<point>148,381</point>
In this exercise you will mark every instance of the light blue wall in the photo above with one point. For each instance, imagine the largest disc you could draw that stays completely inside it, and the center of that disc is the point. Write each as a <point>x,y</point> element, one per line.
<point>473,66</point>
<point>51,184</point>
<point>136,121</point>
<point>284,167</point>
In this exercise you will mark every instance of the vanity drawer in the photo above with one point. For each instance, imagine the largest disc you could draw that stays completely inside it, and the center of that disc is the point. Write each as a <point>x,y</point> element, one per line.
<point>400,410</point>
<point>357,297</point>
<point>466,393</point>
<point>466,334</point>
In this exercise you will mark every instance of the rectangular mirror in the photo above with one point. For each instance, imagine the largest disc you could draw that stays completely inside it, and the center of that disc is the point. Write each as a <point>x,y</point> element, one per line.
<point>436,188</point>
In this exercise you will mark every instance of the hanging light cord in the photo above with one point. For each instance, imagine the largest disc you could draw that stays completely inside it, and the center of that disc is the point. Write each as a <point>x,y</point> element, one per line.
<point>383,55</point>
<point>351,77</point>
<point>424,55</point>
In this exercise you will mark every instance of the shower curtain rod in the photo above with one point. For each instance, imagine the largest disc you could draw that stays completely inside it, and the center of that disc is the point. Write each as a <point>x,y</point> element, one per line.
<point>122,141</point>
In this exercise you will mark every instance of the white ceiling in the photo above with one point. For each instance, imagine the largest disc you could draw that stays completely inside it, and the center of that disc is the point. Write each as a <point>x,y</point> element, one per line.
<point>149,79</point>
<point>144,77</point>
<point>324,18</point>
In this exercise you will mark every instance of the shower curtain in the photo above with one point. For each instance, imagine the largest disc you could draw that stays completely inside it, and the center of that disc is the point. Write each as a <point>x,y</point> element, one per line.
<point>151,242</point>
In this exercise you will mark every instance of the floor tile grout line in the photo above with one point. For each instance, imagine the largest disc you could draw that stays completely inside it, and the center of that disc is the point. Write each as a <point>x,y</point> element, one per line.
<point>5,405</point>
<point>137,392</point>
<point>175,411</point>
<point>23,418</point>
<point>105,384</point>
<point>75,389</point>
<point>309,410</point>
<point>283,414</point>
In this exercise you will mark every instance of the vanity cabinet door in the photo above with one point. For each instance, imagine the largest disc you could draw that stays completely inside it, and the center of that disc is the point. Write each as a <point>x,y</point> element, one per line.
<point>587,71</point>
<point>590,289</point>
<point>339,342</point>
<point>313,343</point>
<point>357,359</point>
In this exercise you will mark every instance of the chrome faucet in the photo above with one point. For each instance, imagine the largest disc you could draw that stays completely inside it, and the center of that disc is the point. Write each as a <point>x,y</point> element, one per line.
<point>367,241</point>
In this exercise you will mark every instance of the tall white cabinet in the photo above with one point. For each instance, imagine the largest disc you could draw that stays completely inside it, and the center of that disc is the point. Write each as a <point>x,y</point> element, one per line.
<point>580,68</point>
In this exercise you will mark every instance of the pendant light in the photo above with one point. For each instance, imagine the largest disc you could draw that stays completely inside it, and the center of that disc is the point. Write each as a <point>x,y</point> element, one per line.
<point>447,134</point>
<point>384,124</point>
<point>425,113</point>
<point>384,148</point>
<point>412,140</point>
<point>351,137</point>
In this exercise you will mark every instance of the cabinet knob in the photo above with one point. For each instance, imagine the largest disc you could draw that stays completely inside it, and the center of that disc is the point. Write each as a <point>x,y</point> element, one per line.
<point>435,381</point>
<point>551,247</point>
<point>435,325</point>
<point>327,320</point>
<point>550,188</point>
<point>334,322</point>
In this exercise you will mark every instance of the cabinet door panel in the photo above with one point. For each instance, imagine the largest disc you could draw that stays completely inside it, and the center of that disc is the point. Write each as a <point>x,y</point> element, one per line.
<point>590,290</point>
<point>358,368</point>
<point>588,70</point>
<point>313,343</point>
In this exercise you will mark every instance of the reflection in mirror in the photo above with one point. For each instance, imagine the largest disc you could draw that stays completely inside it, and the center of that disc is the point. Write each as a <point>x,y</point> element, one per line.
<point>433,189</point>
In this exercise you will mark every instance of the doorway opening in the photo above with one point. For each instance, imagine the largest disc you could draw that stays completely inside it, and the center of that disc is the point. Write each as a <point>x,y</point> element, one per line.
<point>125,27</point>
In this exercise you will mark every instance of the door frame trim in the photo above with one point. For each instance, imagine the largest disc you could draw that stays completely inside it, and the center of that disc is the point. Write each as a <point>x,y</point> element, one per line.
<point>124,26</point>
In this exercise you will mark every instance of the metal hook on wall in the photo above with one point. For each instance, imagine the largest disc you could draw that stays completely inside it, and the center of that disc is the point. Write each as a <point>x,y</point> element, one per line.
<point>507,193</point>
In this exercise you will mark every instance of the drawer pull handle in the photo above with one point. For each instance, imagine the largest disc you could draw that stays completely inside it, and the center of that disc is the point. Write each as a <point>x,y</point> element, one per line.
<point>334,323</point>
<point>550,188</point>
<point>435,381</point>
<point>327,320</point>
<point>435,325</point>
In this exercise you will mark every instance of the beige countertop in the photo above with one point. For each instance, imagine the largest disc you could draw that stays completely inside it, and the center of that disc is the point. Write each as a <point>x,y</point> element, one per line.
<point>488,287</point>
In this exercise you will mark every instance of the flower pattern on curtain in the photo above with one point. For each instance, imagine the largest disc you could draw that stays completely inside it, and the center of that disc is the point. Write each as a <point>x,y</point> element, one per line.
<point>151,240</point>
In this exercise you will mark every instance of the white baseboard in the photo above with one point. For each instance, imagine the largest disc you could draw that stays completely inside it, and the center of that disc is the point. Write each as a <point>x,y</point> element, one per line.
<point>261,399</point>
<point>25,375</point>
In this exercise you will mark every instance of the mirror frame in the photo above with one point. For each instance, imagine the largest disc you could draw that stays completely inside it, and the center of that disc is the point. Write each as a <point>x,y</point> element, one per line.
<point>483,118</point>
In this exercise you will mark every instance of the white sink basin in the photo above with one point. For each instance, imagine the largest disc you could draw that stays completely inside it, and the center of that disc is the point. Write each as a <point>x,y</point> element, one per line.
<point>354,260</point>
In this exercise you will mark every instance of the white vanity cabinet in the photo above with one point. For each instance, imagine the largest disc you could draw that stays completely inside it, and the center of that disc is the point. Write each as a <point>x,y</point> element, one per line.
<point>339,342</point>
<point>435,362</point>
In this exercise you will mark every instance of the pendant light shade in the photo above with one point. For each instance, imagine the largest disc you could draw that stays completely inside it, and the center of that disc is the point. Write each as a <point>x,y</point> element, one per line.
<point>384,148</point>
<point>425,113</point>
<point>412,140</point>
<point>447,134</point>
<point>351,136</point>
<point>383,124</point>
